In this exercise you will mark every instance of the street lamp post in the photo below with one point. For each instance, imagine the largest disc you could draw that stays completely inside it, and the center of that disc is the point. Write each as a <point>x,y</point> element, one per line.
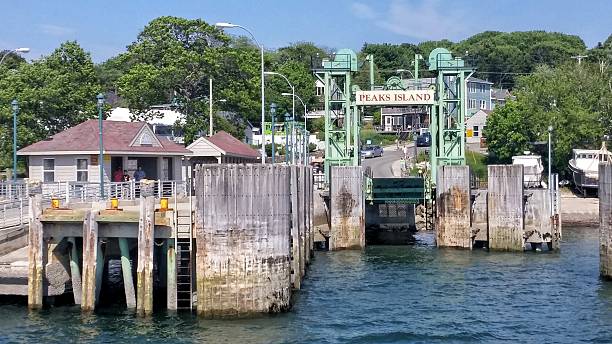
<point>287,120</point>
<point>18,50</point>
<point>263,116</point>
<point>303,104</point>
<point>100,98</point>
<point>15,106</point>
<point>273,114</point>
<point>292,111</point>
<point>550,187</point>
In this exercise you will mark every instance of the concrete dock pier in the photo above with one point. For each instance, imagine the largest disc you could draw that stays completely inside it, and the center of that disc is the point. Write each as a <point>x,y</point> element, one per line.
<point>245,251</point>
<point>347,202</point>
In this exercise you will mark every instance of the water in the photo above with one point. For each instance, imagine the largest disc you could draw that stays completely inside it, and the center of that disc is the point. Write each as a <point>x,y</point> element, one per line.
<point>385,295</point>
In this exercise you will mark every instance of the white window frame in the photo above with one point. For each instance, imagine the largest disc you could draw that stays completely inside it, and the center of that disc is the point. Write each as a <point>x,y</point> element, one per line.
<point>48,171</point>
<point>77,170</point>
<point>483,104</point>
<point>475,130</point>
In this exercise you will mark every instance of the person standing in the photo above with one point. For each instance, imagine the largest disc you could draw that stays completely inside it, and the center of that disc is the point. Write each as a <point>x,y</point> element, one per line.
<point>139,174</point>
<point>118,175</point>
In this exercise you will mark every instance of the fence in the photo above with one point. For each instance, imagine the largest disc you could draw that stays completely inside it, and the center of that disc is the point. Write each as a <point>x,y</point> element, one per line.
<point>13,213</point>
<point>86,191</point>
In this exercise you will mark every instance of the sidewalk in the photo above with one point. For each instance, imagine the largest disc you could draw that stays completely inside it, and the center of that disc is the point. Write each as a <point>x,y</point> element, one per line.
<point>578,211</point>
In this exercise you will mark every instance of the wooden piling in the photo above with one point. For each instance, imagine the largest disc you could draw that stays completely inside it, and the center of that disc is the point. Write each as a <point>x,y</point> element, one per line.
<point>75,271</point>
<point>453,204</point>
<point>90,258</point>
<point>312,212</point>
<point>242,236</point>
<point>347,208</point>
<point>144,268</point>
<point>126,270</point>
<point>505,207</point>
<point>36,252</point>
<point>171,279</point>
<point>605,220</point>
<point>295,229</point>
<point>302,218</point>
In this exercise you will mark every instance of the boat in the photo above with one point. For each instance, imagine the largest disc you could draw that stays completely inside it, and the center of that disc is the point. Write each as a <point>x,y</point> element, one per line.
<point>585,167</point>
<point>532,169</point>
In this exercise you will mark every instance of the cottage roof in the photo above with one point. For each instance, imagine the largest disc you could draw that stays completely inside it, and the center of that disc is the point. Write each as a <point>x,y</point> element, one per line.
<point>227,145</point>
<point>130,137</point>
<point>479,81</point>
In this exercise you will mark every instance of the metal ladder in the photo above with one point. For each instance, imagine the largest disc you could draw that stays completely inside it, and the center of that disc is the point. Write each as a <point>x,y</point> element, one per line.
<point>184,261</point>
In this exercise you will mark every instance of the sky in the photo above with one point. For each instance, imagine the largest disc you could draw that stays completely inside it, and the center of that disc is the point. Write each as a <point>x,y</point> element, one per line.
<point>105,28</point>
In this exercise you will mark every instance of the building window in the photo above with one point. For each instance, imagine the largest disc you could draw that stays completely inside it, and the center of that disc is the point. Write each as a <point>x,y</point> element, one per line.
<point>483,104</point>
<point>320,91</point>
<point>472,104</point>
<point>82,170</point>
<point>48,170</point>
<point>475,131</point>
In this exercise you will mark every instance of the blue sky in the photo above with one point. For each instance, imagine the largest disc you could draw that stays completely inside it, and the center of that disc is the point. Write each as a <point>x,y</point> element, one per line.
<point>105,28</point>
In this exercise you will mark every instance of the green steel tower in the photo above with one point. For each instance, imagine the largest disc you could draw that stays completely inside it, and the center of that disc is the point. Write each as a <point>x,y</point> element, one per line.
<point>342,122</point>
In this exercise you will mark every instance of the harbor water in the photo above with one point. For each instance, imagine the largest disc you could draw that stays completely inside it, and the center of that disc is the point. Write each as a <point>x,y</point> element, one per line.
<point>385,294</point>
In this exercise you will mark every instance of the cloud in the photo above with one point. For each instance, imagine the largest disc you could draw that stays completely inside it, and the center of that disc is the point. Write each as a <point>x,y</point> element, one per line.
<point>421,19</point>
<point>363,11</point>
<point>55,30</point>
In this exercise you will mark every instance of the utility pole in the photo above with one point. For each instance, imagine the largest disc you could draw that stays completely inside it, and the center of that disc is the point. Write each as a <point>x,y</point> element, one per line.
<point>15,106</point>
<point>580,58</point>
<point>100,98</point>
<point>210,107</point>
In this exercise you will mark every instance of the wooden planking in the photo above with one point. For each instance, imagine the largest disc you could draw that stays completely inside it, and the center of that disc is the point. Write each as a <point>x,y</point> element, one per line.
<point>36,252</point>
<point>242,236</point>
<point>453,204</point>
<point>347,208</point>
<point>90,258</point>
<point>605,220</point>
<point>144,267</point>
<point>126,270</point>
<point>505,207</point>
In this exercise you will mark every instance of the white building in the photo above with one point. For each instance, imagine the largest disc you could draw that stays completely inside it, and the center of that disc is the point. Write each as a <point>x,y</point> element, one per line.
<point>474,126</point>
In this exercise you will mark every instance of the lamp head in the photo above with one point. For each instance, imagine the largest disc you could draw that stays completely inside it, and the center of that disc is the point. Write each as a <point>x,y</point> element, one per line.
<point>15,105</point>
<point>270,73</point>
<point>222,100</point>
<point>550,128</point>
<point>223,25</point>
<point>286,94</point>
<point>22,50</point>
<point>273,108</point>
<point>100,98</point>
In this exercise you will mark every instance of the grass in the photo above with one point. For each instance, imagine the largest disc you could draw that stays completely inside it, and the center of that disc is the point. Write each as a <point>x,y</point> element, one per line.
<point>477,163</point>
<point>377,138</point>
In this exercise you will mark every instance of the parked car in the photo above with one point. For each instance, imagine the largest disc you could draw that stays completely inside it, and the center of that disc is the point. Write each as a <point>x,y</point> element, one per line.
<point>371,151</point>
<point>423,140</point>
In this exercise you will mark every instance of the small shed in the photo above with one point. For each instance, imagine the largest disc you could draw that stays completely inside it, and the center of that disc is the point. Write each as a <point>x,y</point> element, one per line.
<point>475,125</point>
<point>222,148</point>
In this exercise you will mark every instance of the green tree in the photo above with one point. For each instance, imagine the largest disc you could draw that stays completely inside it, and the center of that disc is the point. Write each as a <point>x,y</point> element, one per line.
<point>171,62</point>
<point>54,93</point>
<point>575,100</point>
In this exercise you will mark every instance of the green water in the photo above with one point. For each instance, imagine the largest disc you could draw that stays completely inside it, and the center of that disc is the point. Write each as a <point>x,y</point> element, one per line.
<point>406,294</point>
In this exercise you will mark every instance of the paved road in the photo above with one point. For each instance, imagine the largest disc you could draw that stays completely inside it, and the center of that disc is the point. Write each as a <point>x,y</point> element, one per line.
<point>383,167</point>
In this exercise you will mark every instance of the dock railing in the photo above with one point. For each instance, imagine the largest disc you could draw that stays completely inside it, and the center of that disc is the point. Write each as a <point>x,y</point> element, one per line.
<point>88,191</point>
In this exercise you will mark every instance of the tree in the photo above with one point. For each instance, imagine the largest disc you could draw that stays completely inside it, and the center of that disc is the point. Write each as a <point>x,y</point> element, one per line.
<point>171,62</point>
<point>575,100</point>
<point>54,93</point>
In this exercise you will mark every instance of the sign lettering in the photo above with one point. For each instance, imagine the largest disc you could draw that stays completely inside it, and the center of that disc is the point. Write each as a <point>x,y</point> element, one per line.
<point>395,97</point>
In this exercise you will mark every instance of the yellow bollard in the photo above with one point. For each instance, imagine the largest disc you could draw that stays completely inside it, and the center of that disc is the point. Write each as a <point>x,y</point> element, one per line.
<point>163,204</point>
<point>114,203</point>
<point>55,203</point>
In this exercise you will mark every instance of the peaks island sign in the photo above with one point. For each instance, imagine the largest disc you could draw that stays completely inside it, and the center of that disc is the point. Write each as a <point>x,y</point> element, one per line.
<point>395,97</point>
